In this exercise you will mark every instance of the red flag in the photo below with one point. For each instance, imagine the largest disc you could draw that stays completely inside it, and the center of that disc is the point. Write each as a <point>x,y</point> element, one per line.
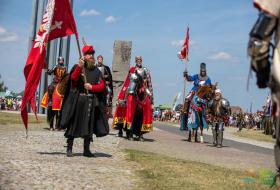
<point>184,54</point>
<point>58,21</point>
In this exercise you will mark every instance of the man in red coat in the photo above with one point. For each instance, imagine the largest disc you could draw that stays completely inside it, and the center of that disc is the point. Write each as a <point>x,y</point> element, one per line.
<point>134,103</point>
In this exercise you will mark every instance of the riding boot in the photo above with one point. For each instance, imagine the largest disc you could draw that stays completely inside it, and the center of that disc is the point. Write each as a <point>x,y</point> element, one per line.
<point>87,152</point>
<point>220,139</point>
<point>69,147</point>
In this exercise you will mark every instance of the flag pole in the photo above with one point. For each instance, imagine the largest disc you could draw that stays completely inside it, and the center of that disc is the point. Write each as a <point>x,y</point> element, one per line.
<point>187,59</point>
<point>80,54</point>
<point>184,83</point>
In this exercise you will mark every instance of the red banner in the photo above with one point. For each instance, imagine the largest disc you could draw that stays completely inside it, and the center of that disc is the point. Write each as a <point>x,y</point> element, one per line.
<point>184,54</point>
<point>58,21</point>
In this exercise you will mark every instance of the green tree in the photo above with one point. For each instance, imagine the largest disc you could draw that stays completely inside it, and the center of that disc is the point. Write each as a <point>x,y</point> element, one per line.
<point>3,88</point>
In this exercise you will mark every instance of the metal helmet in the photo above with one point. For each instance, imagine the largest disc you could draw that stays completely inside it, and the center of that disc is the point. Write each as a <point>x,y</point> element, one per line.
<point>60,60</point>
<point>203,67</point>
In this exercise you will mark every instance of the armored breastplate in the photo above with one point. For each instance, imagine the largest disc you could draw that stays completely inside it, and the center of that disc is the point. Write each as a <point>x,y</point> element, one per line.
<point>60,72</point>
<point>141,73</point>
<point>101,69</point>
<point>221,107</point>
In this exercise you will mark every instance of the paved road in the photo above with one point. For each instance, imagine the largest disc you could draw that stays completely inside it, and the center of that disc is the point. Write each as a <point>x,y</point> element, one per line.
<point>167,140</point>
<point>207,138</point>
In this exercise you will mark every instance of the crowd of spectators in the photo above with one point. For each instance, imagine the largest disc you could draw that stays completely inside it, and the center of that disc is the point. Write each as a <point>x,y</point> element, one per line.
<point>12,104</point>
<point>257,121</point>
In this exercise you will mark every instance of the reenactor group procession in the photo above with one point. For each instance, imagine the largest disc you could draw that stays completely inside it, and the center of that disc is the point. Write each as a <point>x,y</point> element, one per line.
<point>80,101</point>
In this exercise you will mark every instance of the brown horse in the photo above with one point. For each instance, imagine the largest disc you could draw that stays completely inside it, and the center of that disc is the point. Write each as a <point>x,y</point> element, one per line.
<point>197,111</point>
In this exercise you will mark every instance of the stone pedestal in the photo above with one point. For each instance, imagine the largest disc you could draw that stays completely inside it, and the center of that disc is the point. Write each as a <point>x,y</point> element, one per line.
<point>120,66</point>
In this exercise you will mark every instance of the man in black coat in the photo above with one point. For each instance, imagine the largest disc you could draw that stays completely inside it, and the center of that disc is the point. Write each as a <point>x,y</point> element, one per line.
<point>83,110</point>
<point>107,76</point>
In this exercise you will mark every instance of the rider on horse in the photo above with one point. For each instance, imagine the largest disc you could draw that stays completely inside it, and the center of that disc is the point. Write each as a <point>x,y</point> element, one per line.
<point>134,103</point>
<point>200,79</point>
<point>58,71</point>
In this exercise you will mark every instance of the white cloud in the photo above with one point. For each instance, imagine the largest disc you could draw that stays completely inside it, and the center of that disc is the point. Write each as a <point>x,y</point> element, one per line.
<point>6,36</point>
<point>193,43</point>
<point>2,30</point>
<point>178,43</point>
<point>220,56</point>
<point>110,19</point>
<point>90,12</point>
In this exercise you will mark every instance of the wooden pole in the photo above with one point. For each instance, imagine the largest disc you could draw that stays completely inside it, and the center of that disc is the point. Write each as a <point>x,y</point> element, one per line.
<point>185,84</point>
<point>83,70</point>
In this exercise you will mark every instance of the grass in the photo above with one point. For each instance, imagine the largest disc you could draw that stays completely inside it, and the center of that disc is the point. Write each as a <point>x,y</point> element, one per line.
<point>165,173</point>
<point>15,118</point>
<point>256,135</point>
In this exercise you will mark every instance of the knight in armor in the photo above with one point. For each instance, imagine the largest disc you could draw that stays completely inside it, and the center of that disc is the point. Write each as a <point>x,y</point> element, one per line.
<point>197,79</point>
<point>259,47</point>
<point>58,71</point>
<point>134,103</point>
<point>52,99</point>
<point>83,109</point>
<point>219,109</point>
<point>107,76</point>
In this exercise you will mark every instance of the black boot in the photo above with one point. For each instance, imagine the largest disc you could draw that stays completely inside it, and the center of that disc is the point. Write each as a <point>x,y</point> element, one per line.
<point>87,152</point>
<point>69,147</point>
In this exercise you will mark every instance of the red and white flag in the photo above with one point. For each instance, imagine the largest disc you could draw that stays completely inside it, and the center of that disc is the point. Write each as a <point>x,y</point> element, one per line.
<point>58,21</point>
<point>184,53</point>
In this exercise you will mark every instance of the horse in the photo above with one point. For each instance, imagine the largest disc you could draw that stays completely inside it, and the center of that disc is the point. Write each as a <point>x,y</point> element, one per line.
<point>197,111</point>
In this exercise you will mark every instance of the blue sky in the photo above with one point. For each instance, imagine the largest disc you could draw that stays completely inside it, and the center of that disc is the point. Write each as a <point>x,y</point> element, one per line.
<point>218,33</point>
